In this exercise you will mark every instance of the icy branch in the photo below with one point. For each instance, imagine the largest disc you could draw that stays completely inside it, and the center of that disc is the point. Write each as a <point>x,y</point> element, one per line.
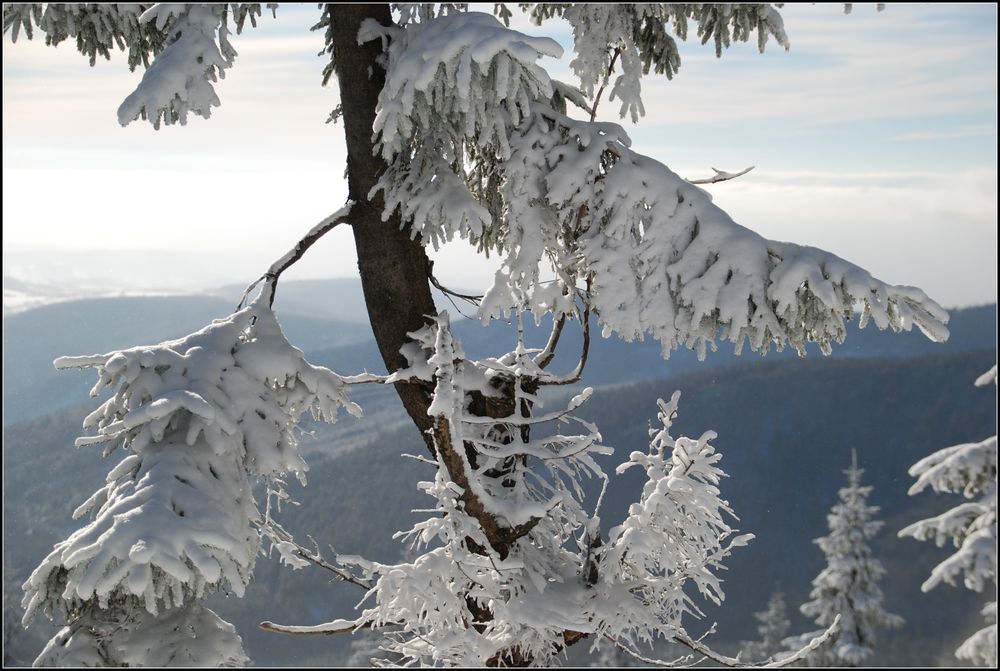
<point>327,629</point>
<point>721,176</point>
<point>295,253</point>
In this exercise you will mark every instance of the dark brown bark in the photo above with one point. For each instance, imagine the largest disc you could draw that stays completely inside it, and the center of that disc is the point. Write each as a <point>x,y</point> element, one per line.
<point>394,268</point>
<point>395,274</point>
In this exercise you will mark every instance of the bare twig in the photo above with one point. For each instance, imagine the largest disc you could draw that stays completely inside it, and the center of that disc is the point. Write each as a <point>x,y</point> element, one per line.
<point>611,68</point>
<point>732,662</point>
<point>578,371</point>
<point>545,357</point>
<point>475,300</point>
<point>703,649</point>
<point>296,252</point>
<point>721,176</point>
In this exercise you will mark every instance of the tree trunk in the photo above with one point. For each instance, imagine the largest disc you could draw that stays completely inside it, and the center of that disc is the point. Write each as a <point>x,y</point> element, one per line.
<point>394,267</point>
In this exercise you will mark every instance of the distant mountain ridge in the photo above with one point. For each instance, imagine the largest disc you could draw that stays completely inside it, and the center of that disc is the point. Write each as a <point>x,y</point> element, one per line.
<point>34,338</point>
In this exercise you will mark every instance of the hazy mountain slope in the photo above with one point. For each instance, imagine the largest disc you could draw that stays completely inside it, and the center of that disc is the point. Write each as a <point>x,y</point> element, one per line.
<point>786,430</point>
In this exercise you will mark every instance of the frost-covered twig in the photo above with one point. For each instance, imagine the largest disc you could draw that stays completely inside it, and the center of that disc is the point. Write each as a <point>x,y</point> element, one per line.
<point>326,629</point>
<point>296,252</point>
<point>721,176</point>
<point>544,358</point>
<point>474,299</point>
<point>604,83</point>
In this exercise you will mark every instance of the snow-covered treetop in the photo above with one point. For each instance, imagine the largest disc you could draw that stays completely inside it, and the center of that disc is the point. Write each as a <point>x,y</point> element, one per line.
<point>197,417</point>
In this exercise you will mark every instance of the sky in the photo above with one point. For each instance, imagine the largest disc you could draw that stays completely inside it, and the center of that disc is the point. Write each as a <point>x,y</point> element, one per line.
<point>873,137</point>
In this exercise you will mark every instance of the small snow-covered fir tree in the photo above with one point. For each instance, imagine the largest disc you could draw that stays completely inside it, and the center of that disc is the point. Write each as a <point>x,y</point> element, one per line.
<point>453,130</point>
<point>848,586</point>
<point>773,629</point>
<point>970,470</point>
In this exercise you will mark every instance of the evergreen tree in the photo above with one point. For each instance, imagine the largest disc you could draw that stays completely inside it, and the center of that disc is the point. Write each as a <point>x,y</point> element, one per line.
<point>848,586</point>
<point>773,629</point>
<point>969,470</point>
<point>453,129</point>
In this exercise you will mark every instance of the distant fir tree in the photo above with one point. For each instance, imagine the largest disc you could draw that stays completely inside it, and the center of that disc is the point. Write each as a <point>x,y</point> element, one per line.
<point>848,586</point>
<point>773,629</point>
<point>970,470</point>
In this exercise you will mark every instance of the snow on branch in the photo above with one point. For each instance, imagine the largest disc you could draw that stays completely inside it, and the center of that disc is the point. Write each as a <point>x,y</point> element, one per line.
<point>639,37</point>
<point>665,260</point>
<point>189,636</point>
<point>97,28</point>
<point>454,85</point>
<point>721,176</point>
<point>198,417</point>
<point>510,567</point>
<point>970,470</point>
<point>674,534</point>
<point>477,146</point>
<point>197,54</point>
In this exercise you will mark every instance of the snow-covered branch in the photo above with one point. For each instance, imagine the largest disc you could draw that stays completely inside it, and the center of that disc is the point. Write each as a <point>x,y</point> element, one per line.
<point>721,176</point>
<point>969,470</point>
<point>477,148</point>
<point>295,253</point>
<point>198,418</point>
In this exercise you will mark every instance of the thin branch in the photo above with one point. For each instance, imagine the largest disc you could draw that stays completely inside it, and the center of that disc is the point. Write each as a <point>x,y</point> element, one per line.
<point>703,649</point>
<point>313,557</point>
<point>326,629</point>
<point>423,460</point>
<point>804,652</point>
<point>721,176</point>
<point>322,563</point>
<point>646,660</point>
<point>611,68</point>
<point>545,357</point>
<point>578,371</point>
<point>475,300</point>
<point>296,252</point>
<point>733,662</point>
<point>364,378</point>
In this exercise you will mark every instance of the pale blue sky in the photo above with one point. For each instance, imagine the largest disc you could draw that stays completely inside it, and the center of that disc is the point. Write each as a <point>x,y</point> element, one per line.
<point>874,137</point>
